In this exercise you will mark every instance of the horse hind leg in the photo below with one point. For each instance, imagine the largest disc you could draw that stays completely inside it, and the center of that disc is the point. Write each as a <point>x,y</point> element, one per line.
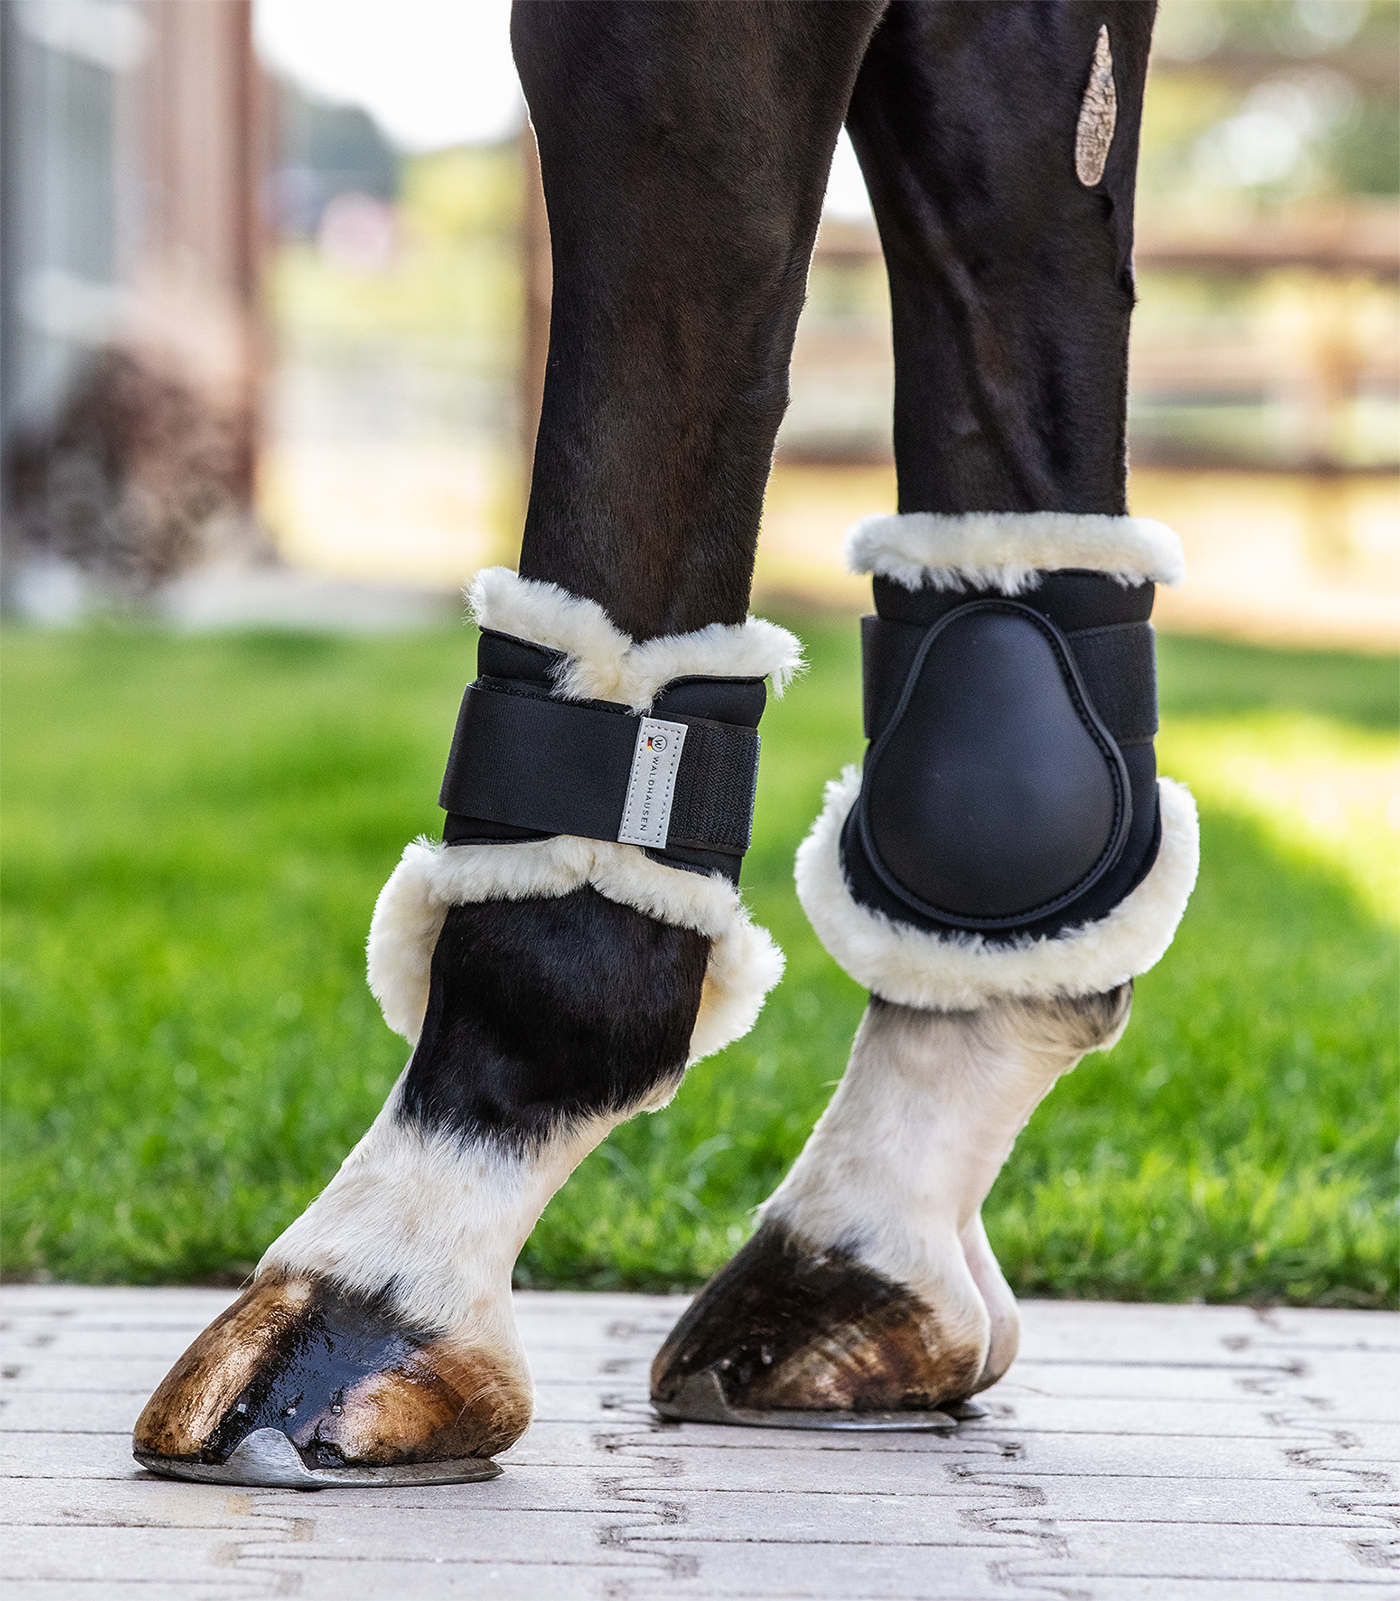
<point>1006,860</point>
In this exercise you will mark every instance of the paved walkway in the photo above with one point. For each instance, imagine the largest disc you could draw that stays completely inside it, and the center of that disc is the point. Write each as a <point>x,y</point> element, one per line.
<point>1134,1454</point>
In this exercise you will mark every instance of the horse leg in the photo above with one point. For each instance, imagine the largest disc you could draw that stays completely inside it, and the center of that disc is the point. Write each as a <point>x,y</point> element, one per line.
<point>1004,864</point>
<point>553,984</point>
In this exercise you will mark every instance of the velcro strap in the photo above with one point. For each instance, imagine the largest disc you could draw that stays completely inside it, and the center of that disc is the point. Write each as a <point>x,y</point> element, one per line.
<point>1119,668</point>
<point>560,768</point>
<point>1117,664</point>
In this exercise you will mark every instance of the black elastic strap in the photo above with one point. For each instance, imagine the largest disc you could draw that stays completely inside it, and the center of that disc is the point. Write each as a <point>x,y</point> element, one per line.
<point>558,767</point>
<point>1117,663</point>
<point>1119,668</point>
<point>715,787</point>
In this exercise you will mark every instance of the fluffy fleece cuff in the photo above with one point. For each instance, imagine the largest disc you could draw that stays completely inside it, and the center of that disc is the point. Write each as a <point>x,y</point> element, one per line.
<point>600,663</point>
<point>603,663</point>
<point>947,973</point>
<point>1008,550</point>
<point>408,917</point>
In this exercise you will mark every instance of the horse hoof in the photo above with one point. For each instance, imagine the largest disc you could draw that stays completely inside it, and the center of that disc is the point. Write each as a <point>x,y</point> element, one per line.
<point>792,1336</point>
<point>302,1385</point>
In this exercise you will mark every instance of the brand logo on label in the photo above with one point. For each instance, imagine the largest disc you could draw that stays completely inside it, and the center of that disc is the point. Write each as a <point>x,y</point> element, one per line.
<point>646,813</point>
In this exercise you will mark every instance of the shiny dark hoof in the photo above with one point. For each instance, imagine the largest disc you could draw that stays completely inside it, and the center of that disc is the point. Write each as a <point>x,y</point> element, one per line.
<point>300,1385</point>
<point>787,1336</point>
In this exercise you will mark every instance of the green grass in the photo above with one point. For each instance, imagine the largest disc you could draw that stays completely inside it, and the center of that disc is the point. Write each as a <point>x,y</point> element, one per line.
<point>196,828</point>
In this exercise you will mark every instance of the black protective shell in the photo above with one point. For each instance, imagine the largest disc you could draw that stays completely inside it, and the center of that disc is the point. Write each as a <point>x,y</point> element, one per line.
<point>993,796</point>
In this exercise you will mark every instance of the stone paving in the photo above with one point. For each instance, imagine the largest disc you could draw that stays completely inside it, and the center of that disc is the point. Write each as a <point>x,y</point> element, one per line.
<point>1134,1453</point>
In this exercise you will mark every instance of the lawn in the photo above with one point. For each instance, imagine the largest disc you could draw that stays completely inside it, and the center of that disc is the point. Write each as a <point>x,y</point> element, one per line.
<point>195,830</point>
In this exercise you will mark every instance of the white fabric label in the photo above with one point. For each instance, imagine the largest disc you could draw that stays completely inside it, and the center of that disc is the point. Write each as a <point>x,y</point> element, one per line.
<point>646,816</point>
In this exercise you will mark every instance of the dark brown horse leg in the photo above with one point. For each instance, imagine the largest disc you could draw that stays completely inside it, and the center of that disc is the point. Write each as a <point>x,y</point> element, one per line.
<point>1003,867</point>
<point>553,984</point>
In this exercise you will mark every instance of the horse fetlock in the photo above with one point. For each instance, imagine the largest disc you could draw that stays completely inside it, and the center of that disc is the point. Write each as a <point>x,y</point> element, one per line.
<point>378,1343</point>
<point>870,1286</point>
<point>356,1390</point>
<point>998,871</point>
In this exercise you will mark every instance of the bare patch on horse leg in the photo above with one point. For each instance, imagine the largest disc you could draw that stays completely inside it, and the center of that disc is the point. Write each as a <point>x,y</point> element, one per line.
<point>1098,116</point>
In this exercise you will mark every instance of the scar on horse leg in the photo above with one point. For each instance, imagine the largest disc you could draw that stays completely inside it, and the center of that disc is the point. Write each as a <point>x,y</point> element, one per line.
<point>553,985</point>
<point>869,1295</point>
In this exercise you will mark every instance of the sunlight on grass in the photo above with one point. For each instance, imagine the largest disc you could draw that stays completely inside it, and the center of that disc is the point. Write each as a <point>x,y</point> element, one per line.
<point>1319,787</point>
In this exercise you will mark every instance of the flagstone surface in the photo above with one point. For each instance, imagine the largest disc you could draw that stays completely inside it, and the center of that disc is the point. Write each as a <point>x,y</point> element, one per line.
<point>1134,1453</point>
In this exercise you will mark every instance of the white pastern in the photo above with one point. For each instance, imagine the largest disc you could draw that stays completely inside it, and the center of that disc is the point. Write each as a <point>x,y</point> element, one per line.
<point>900,1162</point>
<point>437,1220</point>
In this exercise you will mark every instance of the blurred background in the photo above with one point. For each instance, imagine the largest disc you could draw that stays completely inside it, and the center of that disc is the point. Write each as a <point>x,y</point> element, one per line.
<point>274,297</point>
<point>276,292</point>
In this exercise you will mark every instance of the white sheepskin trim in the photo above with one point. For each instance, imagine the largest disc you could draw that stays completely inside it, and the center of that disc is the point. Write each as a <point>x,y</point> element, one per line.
<point>744,962</point>
<point>956,972</point>
<point>606,664</point>
<point>1008,550</point>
